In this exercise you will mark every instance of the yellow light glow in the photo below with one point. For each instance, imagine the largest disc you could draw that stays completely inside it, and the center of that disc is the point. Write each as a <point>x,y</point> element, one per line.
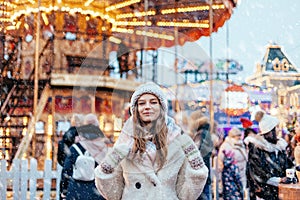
<point>155,35</point>
<point>24,131</point>
<point>4,13</point>
<point>191,9</point>
<point>123,30</point>
<point>7,142</point>
<point>115,40</point>
<point>88,2</point>
<point>45,19</point>
<point>62,8</point>
<point>8,4</point>
<point>5,20</point>
<point>6,154</point>
<point>50,125</point>
<point>135,14</point>
<point>7,131</point>
<point>18,24</point>
<point>183,24</point>
<point>26,26</point>
<point>48,147</point>
<point>25,121</point>
<point>132,23</point>
<point>101,122</point>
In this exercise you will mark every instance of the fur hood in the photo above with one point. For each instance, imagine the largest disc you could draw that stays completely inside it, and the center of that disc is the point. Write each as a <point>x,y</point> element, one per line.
<point>260,142</point>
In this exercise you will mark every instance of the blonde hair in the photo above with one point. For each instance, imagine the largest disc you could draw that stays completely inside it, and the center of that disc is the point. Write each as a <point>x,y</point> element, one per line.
<point>159,131</point>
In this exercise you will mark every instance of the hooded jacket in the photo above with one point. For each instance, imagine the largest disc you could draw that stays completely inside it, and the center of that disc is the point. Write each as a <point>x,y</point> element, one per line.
<point>240,156</point>
<point>138,178</point>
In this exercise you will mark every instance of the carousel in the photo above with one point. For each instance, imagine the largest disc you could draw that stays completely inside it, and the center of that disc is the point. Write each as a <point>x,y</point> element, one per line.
<point>56,61</point>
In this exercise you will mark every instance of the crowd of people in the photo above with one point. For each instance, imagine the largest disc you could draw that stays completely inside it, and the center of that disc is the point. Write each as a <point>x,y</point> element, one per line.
<point>158,157</point>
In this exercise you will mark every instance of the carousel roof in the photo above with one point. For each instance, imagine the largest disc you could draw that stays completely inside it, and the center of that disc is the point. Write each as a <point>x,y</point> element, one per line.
<point>133,22</point>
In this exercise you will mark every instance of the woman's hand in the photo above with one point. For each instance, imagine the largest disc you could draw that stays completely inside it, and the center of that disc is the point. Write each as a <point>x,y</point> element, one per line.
<point>113,158</point>
<point>191,152</point>
<point>283,180</point>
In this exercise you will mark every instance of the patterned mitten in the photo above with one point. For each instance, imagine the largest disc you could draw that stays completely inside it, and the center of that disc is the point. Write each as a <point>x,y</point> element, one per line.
<point>113,158</point>
<point>191,152</point>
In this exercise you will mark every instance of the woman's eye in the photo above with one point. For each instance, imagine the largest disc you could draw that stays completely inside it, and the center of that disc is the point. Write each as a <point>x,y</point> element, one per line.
<point>141,103</point>
<point>154,102</point>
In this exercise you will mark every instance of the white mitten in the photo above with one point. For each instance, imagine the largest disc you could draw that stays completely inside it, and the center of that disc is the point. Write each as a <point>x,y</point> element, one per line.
<point>113,158</point>
<point>191,151</point>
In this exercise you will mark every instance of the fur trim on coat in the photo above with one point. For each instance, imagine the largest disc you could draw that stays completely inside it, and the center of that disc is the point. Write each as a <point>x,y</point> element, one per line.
<point>260,142</point>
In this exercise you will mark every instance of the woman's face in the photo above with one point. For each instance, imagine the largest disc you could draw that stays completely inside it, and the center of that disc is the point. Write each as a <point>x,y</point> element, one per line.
<point>148,108</point>
<point>271,136</point>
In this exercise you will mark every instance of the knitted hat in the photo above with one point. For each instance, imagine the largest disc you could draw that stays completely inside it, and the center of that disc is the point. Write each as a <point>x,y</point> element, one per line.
<point>266,122</point>
<point>246,123</point>
<point>90,128</point>
<point>91,119</point>
<point>149,88</point>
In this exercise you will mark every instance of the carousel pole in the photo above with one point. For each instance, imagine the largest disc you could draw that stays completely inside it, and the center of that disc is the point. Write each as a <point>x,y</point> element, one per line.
<point>176,69</point>
<point>145,45</point>
<point>227,70</point>
<point>177,109</point>
<point>211,106</point>
<point>31,127</point>
<point>36,70</point>
<point>211,102</point>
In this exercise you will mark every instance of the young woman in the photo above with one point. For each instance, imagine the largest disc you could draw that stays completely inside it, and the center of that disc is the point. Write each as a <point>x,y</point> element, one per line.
<point>79,182</point>
<point>151,159</point>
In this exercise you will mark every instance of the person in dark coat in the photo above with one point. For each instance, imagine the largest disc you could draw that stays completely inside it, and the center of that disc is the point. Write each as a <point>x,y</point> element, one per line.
<point>91,139</point>
<point>199,128</point>
<point>267,158</point>
<point>68,139</point>
<point>66,142</point>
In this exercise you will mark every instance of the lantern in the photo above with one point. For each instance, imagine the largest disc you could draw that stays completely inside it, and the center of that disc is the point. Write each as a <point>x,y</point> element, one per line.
<point>234,101</point>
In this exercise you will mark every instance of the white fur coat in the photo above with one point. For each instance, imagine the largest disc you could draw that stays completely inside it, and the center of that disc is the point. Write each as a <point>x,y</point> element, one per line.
<point>138,178</point>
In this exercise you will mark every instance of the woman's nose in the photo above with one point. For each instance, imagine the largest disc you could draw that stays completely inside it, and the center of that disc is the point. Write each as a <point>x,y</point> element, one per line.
<point>147,105</point>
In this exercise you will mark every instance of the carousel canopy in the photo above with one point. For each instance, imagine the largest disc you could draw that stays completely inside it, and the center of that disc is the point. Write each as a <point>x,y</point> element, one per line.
<point>137,23</point>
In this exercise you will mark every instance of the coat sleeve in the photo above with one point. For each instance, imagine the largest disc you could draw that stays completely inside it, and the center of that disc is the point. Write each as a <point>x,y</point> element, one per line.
<point>259,168</point>
<point>110,185</point>
<point>220,158</point>
<point>191,181</point>
<point>67,170</point>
